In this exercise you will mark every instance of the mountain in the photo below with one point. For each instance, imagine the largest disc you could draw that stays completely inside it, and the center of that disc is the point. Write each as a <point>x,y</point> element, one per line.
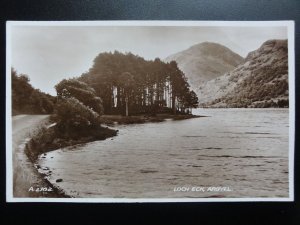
<point>205,61</point>
<point>261,81</point>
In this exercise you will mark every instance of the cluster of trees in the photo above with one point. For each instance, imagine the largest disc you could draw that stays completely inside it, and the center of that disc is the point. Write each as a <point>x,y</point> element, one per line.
<point>279,103</point>
<point>78,109</point>
<point>28,100</point>
<point>129,84</point>
<point>77,116</point>
<point>116,84</point>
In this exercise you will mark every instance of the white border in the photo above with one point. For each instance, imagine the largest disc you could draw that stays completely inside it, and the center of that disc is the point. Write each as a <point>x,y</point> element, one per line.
<point>291,67</point>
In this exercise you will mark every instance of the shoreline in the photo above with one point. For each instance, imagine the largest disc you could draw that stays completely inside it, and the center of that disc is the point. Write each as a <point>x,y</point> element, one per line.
<point>33,155</point>
<point>46,140</point>
<point>112,118</point>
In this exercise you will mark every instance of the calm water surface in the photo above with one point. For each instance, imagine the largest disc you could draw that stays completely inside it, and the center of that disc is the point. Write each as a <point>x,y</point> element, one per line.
<point>245,150</point>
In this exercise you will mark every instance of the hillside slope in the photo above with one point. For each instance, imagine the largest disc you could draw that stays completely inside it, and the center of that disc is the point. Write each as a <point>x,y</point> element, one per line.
<point>261,81</point>
<point>205,61</point>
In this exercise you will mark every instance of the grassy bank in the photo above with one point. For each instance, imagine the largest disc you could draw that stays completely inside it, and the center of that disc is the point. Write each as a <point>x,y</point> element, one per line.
<point>49,138</point>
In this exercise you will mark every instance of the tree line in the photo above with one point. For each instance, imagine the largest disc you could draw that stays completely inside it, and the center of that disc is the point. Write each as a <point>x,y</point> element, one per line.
<point>116,84</point>
<point>129,84</point>
<point>26,99</point>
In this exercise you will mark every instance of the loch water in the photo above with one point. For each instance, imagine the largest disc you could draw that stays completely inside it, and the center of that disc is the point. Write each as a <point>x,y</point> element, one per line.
<point>243,151</point>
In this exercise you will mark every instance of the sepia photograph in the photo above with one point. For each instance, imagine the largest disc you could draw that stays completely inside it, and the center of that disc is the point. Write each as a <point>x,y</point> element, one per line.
<point>150,111</point>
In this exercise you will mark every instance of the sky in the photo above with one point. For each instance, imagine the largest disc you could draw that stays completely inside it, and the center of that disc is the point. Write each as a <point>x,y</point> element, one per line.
<point>48,54</point>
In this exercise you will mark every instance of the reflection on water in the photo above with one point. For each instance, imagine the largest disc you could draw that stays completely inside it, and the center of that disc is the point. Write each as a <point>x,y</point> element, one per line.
<point>243,149</point>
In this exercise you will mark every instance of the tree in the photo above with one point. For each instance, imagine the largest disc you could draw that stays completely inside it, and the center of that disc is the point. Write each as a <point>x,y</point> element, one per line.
<point>74,118</point>
<point>78,109</point>
<point>179,84</point>
<point>26,99</point>
<point>126,81</point>
<point>192,100</point>
<point>82,92</point>
<point>153,84</point>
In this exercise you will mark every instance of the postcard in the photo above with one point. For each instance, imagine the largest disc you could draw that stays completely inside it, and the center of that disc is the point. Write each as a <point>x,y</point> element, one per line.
<point>150,111</point>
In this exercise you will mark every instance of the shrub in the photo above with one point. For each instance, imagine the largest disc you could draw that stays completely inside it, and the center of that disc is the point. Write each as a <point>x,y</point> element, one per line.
<point>74,118</point>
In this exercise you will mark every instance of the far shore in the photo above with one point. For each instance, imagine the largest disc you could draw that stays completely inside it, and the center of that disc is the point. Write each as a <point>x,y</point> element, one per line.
<point>119,119</point>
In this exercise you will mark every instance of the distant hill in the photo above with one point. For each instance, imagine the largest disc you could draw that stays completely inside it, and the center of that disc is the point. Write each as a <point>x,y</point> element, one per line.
<point>205,61</point>
<point>261,81</point>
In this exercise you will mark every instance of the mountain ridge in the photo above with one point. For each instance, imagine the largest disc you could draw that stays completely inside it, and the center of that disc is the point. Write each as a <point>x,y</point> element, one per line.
<point>261,81</point>
<point>205,61</point>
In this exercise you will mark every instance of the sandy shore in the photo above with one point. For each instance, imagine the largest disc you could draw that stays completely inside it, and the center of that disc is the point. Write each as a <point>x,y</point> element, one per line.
<point>26,180</point>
